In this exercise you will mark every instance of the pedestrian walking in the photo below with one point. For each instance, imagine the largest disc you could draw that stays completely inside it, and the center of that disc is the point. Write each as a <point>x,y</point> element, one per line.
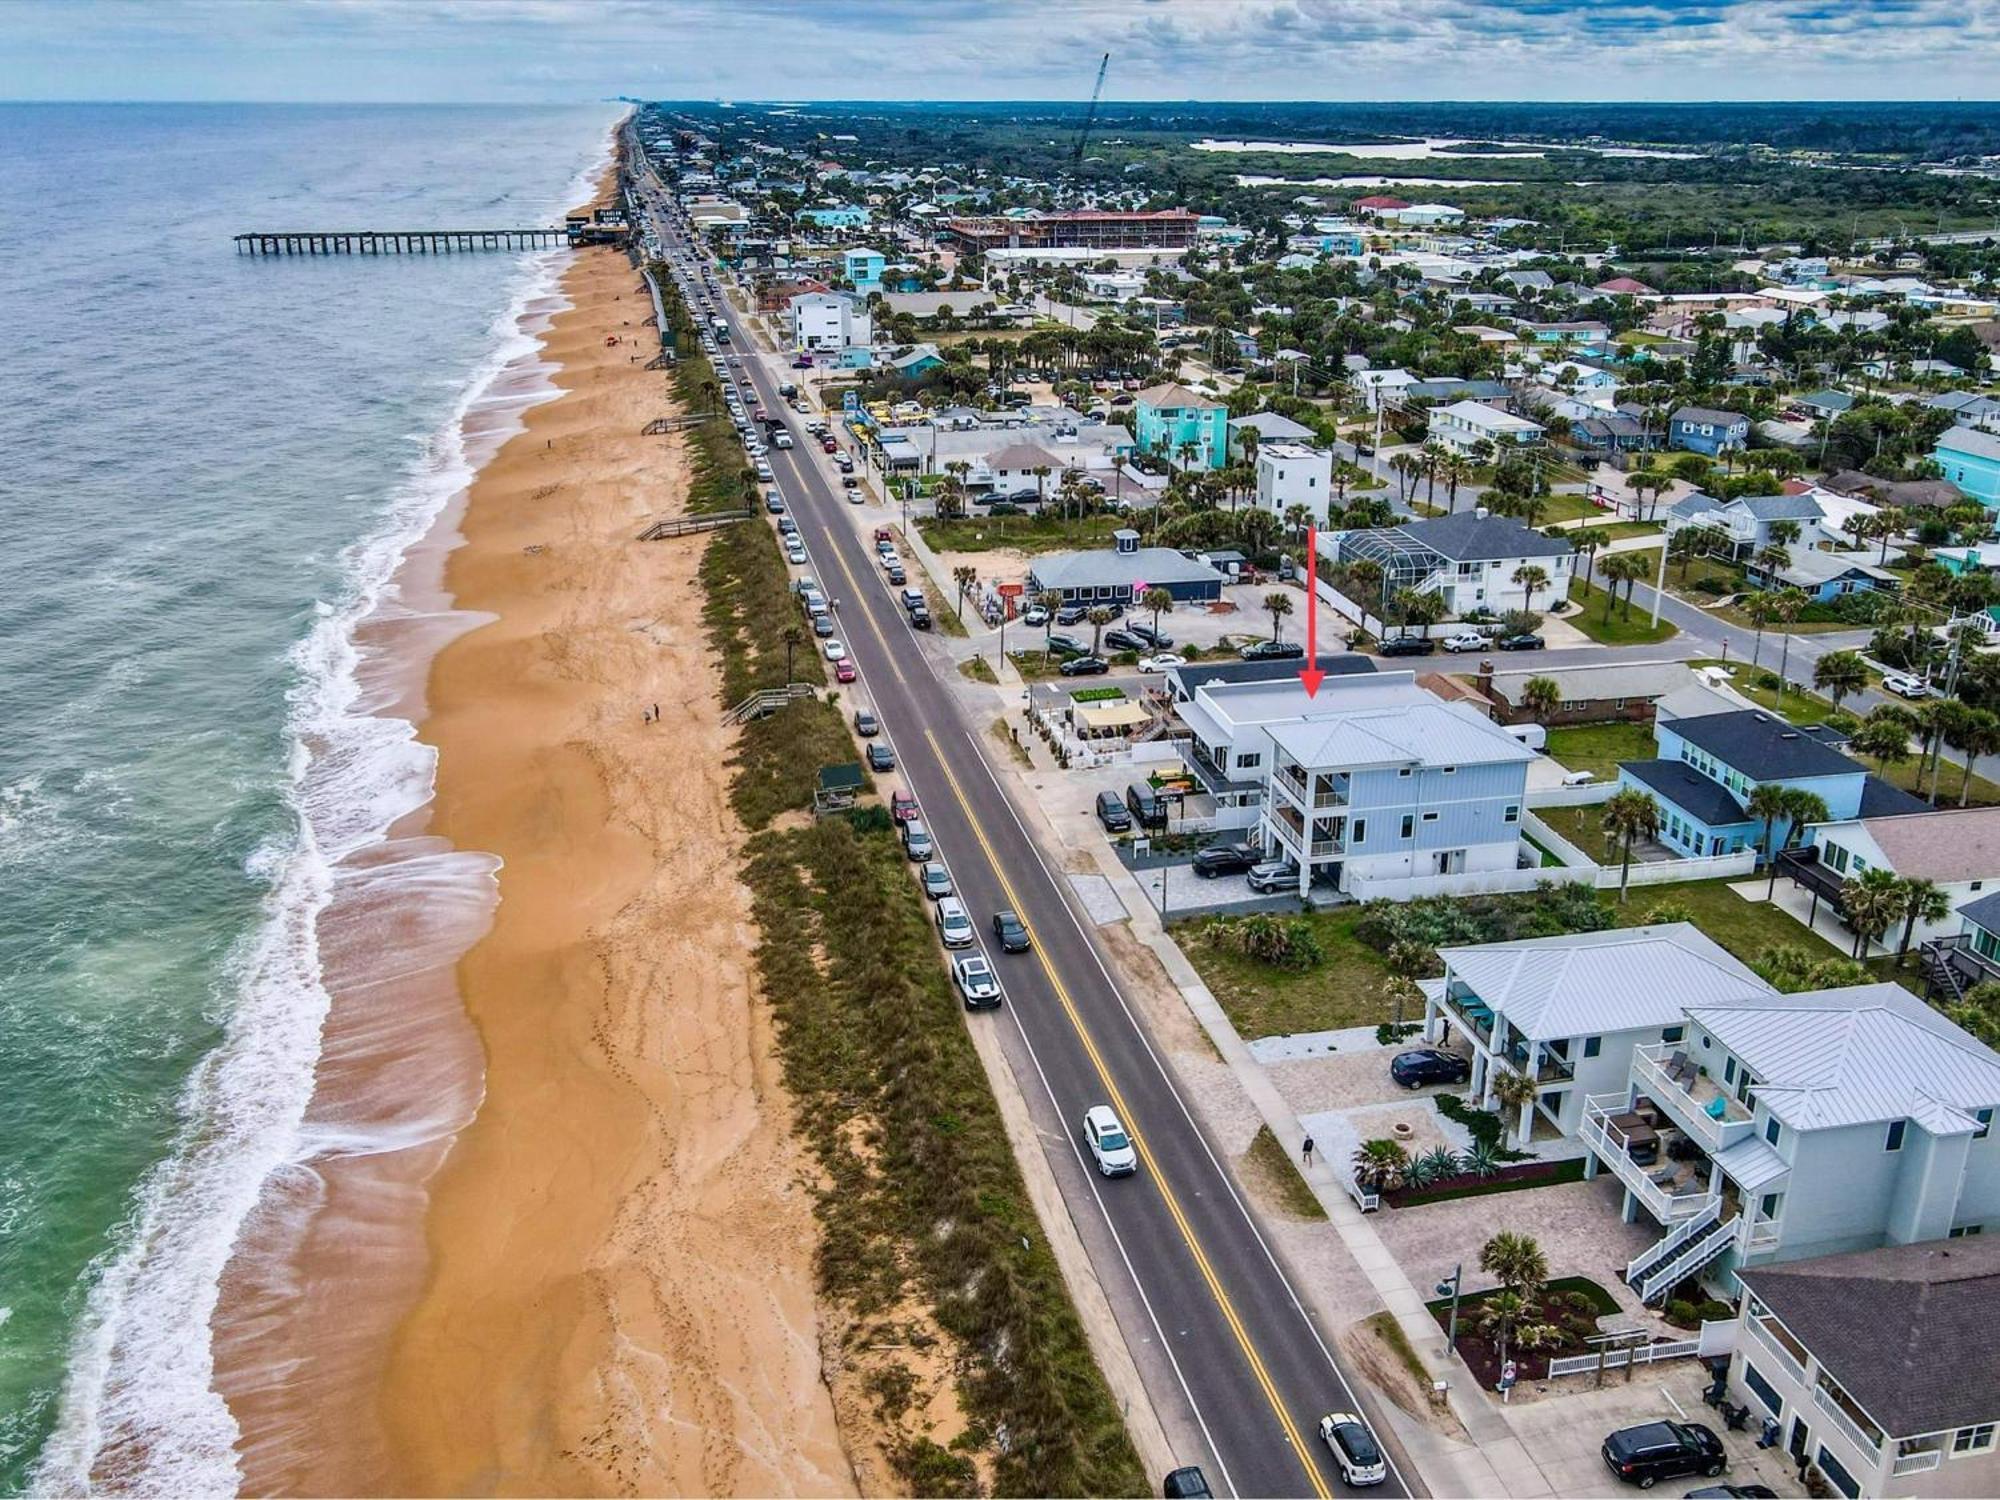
<point>1306,1151</point>
<point>656,713</point>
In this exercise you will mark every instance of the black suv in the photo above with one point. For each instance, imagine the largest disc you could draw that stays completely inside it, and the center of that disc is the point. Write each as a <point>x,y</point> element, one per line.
<point>1066,645</point>
<point>1226,859</point>
<point>1112,814</point>
<point>1155,640</point>
<point>1653,1451</point>
<point>1407,645</point>
<point>1273,651</point>
<point>1124,640</point>
<point>1425,1065</point>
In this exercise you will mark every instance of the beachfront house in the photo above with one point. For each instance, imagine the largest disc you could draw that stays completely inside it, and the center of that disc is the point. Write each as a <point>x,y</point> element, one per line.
<point>1463,425</point>
<point>1468,559</point>
<point>828,322</point>
<point>1290,473</point>
<point>1879,1366</point>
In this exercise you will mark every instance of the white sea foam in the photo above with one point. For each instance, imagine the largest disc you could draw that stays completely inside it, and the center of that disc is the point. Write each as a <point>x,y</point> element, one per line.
<point>140,1413</point>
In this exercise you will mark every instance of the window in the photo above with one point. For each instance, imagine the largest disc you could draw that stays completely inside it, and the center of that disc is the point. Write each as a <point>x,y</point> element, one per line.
<point>1965,1231</point>
<point>1972,1440</point>
<point>1768,1205</point>
<point>1360,830</point>
<point>1402,770</point>
<point>1772,1130</point>
<point>1409,825</point>
<point>1249,762</point>
<point>1430,817</point>
<point>1763,1389</point>
<point>1513,813</point>
<point>1836,1474</point>
<point>1895,1138</point>
<point>1451,770</point>
<point>1729,1071</point>
<point>1592,1045</point>
<point>1672,1033</point>
<point>1985,1119</point>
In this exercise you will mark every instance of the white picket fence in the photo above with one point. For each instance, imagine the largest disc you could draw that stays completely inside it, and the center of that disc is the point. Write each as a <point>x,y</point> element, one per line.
<point>1714,1340</point>
<point>1579,865</point>
<point>1554,842</point>
<point>1572,796</point>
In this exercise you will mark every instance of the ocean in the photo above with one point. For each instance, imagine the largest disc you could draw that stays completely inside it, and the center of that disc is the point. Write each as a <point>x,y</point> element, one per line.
<point>225,483</point>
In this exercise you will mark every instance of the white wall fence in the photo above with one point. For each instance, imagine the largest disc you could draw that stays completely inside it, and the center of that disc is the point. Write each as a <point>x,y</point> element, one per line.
<point>1578,865</point>
<point>1552,841</point>
<point>1573,796</point>
<point>1714,1340</point>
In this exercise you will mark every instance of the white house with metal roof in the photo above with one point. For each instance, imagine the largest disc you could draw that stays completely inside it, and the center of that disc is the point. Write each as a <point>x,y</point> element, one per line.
<point>1414,791</point>
<point>1956,849</point>
<point>1801,1125</point>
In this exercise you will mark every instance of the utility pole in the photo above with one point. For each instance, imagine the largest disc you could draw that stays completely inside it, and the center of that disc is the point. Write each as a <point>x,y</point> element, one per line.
<point>1660,584</point>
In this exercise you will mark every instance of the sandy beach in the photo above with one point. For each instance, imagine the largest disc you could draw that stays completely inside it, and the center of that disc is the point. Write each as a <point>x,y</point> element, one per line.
<point>621,1294</point>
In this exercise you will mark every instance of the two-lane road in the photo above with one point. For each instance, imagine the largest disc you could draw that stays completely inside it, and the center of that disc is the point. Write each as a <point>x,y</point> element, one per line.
<point>1221,1336</point>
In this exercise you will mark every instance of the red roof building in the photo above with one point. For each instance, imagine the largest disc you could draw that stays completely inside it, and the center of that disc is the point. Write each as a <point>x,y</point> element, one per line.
<point>1623,286</point>
<point>1379,204</point>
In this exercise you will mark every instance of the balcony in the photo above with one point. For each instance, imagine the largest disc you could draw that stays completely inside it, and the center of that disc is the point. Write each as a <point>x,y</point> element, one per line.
<point>1471,1013</point>
<point>1613,1133</point>
<point>1852,1430</point>
<point>1689,1097</point>
<point>1769,1343</point>
<point>1917,1461</point>
<point>1293,779</point>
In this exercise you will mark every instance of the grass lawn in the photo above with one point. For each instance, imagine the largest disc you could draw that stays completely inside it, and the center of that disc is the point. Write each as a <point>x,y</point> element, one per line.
<point>1040,533</point>
<point>978,668</point>
<point>1599,747</point>
<point>1619,531</point>
<point>1798,705</point>
<point>1619,630</point>
<point>1267,1159</point>
<point>1745,928</point>
<point>1564,507</point>
<point>1582,826</point>
<point>1345,990</point>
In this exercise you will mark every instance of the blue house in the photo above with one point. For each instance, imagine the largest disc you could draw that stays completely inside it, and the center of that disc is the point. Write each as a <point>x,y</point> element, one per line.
<point>864,268</point>
<point>1971,460</point>
<point>1698,429</point>
<point>845,217</point>
<point>1709,765</point>
<point>1167,416</point>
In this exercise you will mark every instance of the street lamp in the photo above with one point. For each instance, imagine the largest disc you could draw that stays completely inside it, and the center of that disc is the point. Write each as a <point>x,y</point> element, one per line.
<point>1450,1286</point>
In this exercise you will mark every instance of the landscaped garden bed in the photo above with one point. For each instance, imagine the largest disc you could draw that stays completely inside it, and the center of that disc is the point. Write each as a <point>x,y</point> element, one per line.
<point>1472,1185</point>
<point>1562,1315</point>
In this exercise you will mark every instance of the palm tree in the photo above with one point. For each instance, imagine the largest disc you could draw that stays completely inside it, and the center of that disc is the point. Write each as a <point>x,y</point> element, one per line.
<point>1923,901</point>
<point>1870,904</point>
<point>1586,542</point>
<point>1188,452</point>
<point>1422,610</point>
<point>1767,805</point>
<point>1160,602</point>
<point>1885,737</point>
<point>1298,516</point>
<point>1839,673</point>
<point>1380,1164</point>
<point>1540,696</point>
<point>793,638</point>
<point>1976,735</point>
<point>1802,809</point>
<point>1041,473</point>
<point>1405,468</point>
<point>1518,1263</point>
<point>1050,601</point>
<point>1630,815</point>
<point>964,576</point>
<point>1621,567</point>
<point>1277,604</point>
<point>1516,1091</point>
<point>1099,617</point>
<point>1455,471</point>
<point>1365,577</point>
<point>1761,611</point>
<point>1530,578</point>
<point>1789,605</point>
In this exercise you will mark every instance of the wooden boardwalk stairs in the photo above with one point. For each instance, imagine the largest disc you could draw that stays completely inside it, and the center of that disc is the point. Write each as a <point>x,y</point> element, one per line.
<point>675,424</point>
<point>757,705</point>
<point>673,526</point>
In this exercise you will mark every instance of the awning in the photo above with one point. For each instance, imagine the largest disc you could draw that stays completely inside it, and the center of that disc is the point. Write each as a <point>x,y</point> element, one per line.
<point>1123,714</point>
<point>1751,1164</point>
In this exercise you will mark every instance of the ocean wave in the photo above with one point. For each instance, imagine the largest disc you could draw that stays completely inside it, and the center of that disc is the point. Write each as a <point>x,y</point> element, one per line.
<point>139,1412</point>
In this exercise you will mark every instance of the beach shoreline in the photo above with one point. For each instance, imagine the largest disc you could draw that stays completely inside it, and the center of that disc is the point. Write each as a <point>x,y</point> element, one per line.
<point>620,1294</point>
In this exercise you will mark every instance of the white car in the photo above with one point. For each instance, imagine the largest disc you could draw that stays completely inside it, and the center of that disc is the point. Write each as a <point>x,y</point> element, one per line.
<point>795,553</point>
<point>1903,685</point>
<point>888,559</point>
<point>782,440</point>
<point>764,471</point>
<point>835,649</point>
<point>1354,1448</point>
<point>975,980</point>
<point>1109,1145</point>
<point>1579,778</point>
<point>1035,615</point>
<point>1465,640</point>
<point>953,924</point>
<point>1161,662</point>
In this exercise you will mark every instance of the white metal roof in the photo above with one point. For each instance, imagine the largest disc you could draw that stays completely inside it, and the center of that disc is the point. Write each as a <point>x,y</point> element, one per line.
<point>1855,1055</point>
<point>1413,734</point>
<point>1594,983</point>
<point>1751,1164</point>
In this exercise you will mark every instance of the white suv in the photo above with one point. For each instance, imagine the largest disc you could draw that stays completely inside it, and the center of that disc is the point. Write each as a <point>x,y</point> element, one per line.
<point>953,924</point>
<point>1109,1144</point>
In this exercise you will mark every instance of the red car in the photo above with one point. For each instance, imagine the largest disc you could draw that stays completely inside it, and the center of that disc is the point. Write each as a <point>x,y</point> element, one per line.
<point>902,806</point>
<point>828,445</point>
<point>843,670</point>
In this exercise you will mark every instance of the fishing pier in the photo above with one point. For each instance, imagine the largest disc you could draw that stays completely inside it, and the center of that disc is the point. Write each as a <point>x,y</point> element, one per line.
<point>406,241</point>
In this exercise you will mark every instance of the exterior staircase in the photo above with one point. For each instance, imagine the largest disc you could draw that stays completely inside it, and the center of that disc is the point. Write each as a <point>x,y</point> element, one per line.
<point>1688,1248</point>
<point>687,525</point>
<point>1941,978</point>
<point>757,705</point>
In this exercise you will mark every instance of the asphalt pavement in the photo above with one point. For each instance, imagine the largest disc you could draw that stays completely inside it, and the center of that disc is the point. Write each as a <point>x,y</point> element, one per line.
<point>1224,1342</point>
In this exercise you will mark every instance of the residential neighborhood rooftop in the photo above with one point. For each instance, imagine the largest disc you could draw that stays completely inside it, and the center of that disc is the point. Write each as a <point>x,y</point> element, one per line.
<point>1411,734</point>
<point>1693,793</point>
<point>1906,1329</point>
<point>1941,845</point>
<point>1470,536</point>
<point>1762,746</point>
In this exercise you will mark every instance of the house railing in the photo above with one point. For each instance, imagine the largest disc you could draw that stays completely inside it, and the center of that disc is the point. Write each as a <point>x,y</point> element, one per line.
<point>1618,1359</point>
<point>1672,1095</point>
<point>1917,1461</point>
<point>1787,1360</point>
<point>1852,1430</point>
<point>1614,1149</point>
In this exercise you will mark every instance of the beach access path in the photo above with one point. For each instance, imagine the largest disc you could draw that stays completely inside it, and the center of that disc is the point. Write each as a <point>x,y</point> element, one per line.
<point>622,1291</point>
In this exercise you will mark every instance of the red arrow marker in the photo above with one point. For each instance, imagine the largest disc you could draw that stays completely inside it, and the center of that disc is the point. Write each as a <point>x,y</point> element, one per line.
<point>1310,674</point>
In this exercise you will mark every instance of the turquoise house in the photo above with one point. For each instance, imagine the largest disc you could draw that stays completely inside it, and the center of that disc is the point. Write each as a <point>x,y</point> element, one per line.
<point>1167,416</point>
<point>864,268</point>
<point>1970,459</point>
<point>835,218</point>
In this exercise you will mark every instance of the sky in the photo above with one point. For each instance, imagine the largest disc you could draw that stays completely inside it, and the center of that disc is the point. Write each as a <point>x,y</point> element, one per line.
<point>567,51</point>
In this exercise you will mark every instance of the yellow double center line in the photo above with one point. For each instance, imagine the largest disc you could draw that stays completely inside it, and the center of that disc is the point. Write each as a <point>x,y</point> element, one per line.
<point>1165,1189</point>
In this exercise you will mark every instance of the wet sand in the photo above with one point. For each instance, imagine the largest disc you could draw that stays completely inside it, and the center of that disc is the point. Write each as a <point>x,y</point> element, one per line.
<point>620,1296</point>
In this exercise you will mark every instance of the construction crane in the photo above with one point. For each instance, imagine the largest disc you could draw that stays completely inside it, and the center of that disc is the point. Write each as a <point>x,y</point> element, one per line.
<point>1089,115</point>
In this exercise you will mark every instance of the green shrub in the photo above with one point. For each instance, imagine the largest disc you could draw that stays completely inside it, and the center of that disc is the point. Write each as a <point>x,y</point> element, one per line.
<point>1389,1033</point>
<point>1682,1314</point>
<point>1282,942</point>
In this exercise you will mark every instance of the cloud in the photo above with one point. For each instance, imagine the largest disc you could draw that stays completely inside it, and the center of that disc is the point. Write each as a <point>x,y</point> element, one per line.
<point>990,49</point>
